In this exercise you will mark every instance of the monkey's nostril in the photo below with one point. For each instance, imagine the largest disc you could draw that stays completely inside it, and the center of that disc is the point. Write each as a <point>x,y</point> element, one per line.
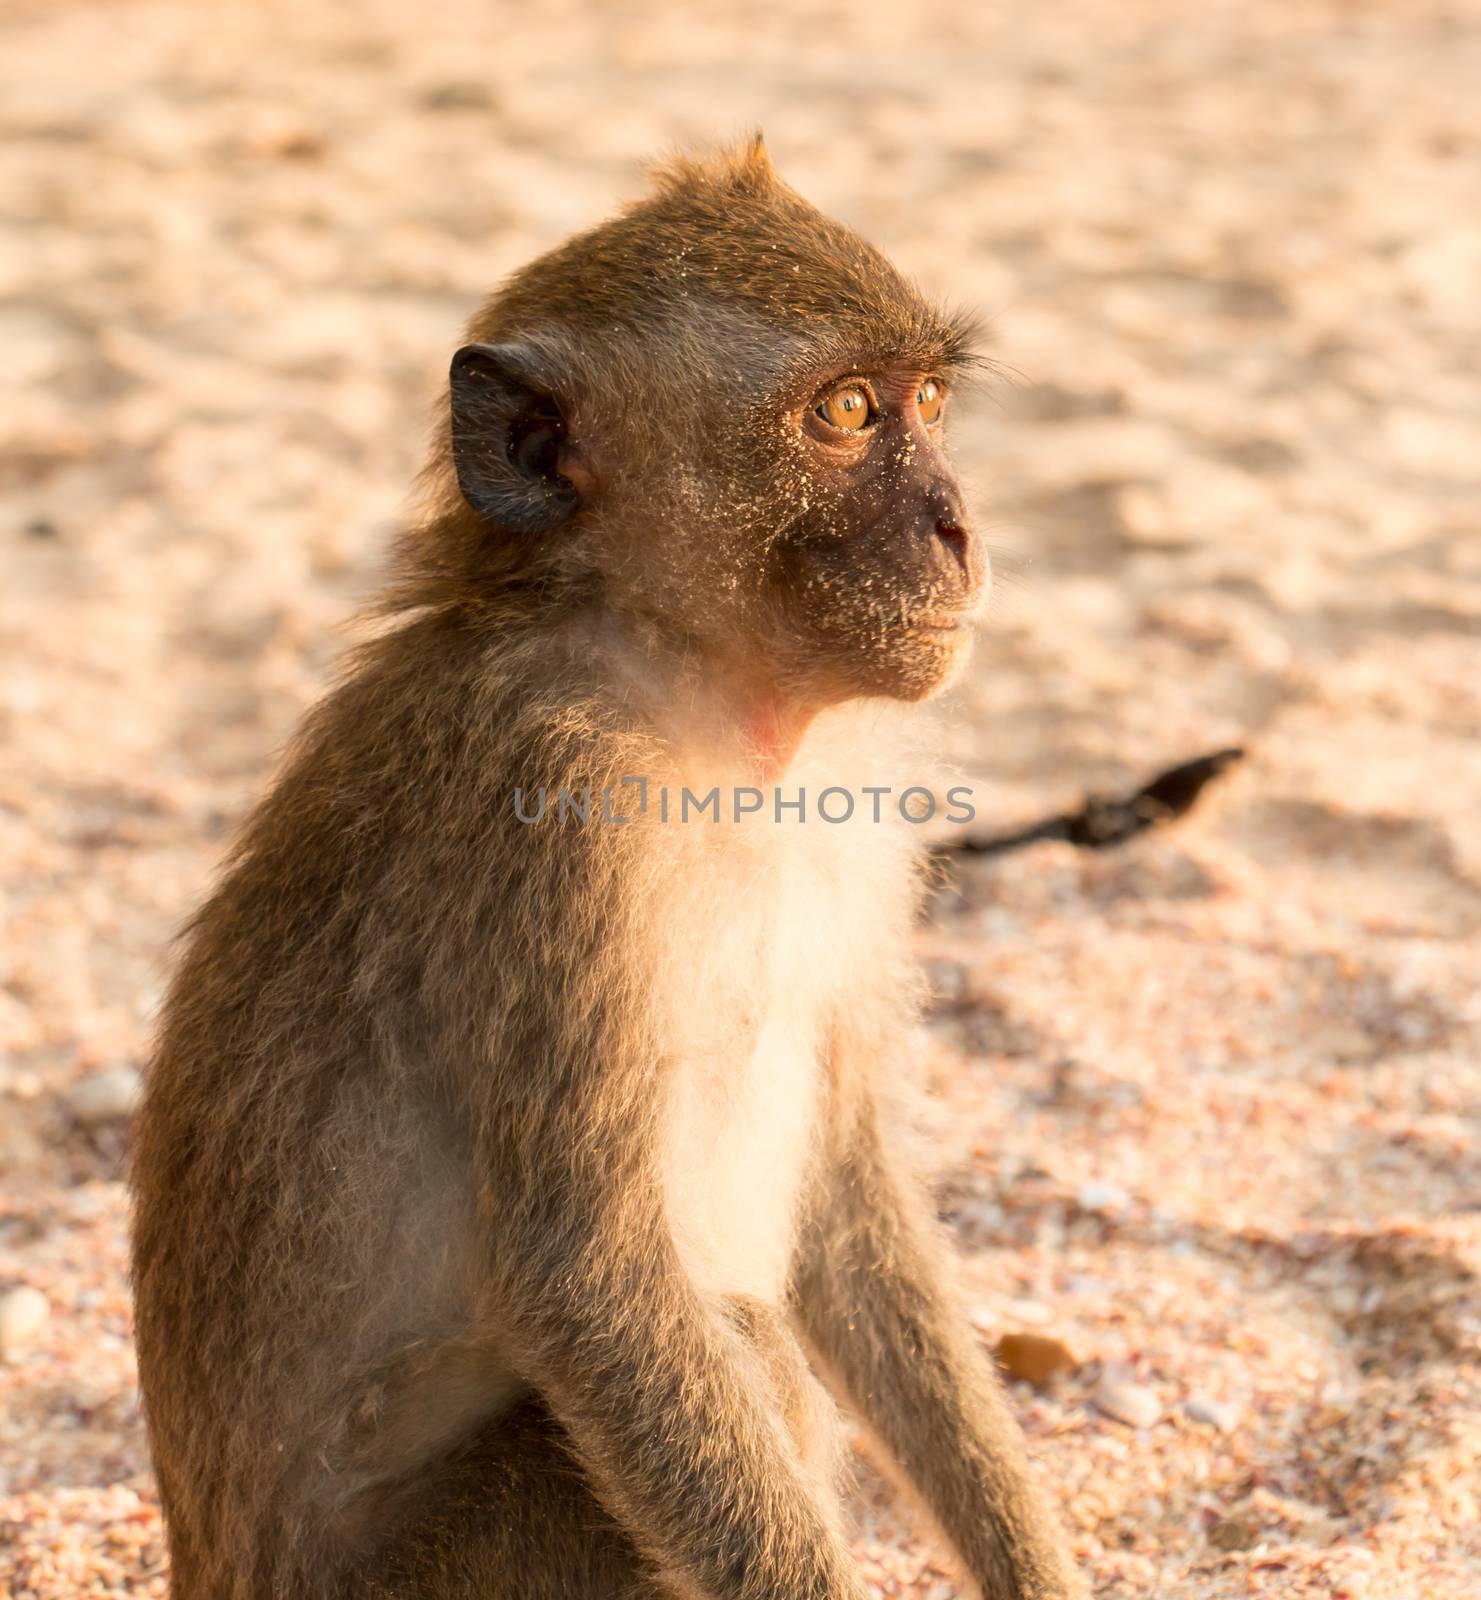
<point>955,540</point>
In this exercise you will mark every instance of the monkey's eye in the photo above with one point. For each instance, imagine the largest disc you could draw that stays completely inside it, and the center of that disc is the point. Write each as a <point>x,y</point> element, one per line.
<point>848,408</point>
<point>928,402</point>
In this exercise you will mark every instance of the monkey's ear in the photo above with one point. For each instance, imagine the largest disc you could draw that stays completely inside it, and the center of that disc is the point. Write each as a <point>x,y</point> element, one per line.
<point>508,435</point>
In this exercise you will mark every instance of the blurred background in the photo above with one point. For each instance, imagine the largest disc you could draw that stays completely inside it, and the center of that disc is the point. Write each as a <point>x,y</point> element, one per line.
<point>1209,1103</point>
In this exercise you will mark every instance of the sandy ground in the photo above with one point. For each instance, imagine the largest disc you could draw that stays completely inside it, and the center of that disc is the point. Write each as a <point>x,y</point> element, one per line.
<point>1211,1101</point>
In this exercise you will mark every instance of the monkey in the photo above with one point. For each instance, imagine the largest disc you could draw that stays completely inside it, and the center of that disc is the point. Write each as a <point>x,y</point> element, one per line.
<point>517,1202</point>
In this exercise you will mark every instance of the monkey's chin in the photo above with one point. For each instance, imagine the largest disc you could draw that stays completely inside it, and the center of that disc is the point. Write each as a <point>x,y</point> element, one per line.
<point>921,667</point>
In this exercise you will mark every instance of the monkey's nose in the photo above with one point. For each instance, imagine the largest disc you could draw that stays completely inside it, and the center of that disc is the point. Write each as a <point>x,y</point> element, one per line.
<point>955,540</point>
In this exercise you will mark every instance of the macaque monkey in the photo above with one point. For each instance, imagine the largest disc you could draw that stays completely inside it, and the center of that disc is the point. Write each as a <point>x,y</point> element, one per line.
<point>515,1197</point>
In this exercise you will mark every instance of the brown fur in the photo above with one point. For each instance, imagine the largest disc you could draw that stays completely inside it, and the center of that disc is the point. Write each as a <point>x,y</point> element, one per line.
<point>493,1178</point>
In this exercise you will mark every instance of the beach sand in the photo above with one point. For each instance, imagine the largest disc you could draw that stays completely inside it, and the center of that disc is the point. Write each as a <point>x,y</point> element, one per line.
<point>1207,1104</point>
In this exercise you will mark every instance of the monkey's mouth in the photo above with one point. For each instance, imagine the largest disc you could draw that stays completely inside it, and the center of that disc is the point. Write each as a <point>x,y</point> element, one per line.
<point>943,622</point>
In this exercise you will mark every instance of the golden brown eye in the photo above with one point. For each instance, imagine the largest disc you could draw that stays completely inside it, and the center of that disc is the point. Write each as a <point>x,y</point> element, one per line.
<point>929,401</point>
<point>847,408</point>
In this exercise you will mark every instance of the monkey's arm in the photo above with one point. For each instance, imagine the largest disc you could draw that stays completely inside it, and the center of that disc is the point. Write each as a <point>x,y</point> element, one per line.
<point>664,1407</point>
<point>875,1300</point>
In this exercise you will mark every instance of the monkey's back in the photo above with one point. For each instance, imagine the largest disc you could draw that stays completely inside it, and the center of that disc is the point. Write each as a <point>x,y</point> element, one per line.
<point>302,1170</point>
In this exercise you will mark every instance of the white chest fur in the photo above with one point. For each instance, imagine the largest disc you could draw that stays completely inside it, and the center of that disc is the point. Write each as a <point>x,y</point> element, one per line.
<point>787,919</point>
<point>743,1106</point>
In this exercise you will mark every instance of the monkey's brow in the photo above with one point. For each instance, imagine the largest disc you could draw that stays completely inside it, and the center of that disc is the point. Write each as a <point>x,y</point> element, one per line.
<point>948,345</point>
<point>942,360</point>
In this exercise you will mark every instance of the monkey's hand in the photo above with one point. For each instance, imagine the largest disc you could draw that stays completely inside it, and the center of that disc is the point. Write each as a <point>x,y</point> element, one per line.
<point>875,1298</point>
<point>654,1388</point>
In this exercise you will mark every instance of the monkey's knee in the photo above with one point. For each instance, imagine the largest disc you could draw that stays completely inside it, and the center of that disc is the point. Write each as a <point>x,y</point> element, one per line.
<point>510,1516</point>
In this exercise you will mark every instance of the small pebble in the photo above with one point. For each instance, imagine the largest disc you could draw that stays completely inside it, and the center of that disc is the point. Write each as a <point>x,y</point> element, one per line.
<point>1035,1357</point>
<point>107,1096</point>
<point>1212,1413</point>
<point>1130,1403</point>
<point>1234,1533</point>
<point>23,1313</point>
<point>1098,1196</point>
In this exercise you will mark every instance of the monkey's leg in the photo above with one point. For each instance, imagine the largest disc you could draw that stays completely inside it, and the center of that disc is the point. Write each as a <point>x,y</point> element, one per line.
<point>874,1298</point>
<point>672,1414</point>
<point>804,1405</point>
<point>509,1516</point>
<point>512,1515</point>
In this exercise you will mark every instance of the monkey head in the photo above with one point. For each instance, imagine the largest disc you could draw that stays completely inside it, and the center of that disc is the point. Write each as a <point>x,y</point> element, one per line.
<point>720,415</point>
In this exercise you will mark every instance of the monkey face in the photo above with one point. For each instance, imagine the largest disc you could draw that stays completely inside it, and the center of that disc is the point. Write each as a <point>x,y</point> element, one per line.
<point>717,419</point>
<point>817,531</point>
<point>878,576</point>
